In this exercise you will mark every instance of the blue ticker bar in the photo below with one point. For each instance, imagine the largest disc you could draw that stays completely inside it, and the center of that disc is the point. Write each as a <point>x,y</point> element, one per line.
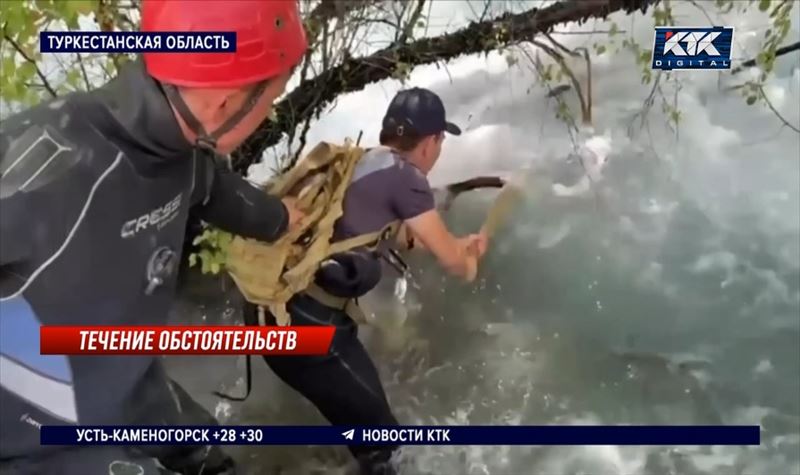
<point>401,435</point>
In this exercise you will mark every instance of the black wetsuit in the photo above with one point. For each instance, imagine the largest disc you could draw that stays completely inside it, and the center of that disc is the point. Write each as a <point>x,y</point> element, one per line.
<point>95,192</point>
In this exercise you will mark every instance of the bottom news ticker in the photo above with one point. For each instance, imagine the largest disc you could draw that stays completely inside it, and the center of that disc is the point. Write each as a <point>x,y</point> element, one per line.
<point>405,435</point>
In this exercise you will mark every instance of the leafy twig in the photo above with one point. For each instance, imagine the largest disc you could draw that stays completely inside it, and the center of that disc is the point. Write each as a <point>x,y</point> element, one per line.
<point>775,111</point>
<point>18,48</point>
<point>302,143</point>
<point>703,11</point>
<point>83,72</point>
<point>560,59</point>
<point>591,32</point>
<point>779,52</point>
<point>586,103</point>
<point>646,106</point>
<point>412,22</point>
<point>486,5</point>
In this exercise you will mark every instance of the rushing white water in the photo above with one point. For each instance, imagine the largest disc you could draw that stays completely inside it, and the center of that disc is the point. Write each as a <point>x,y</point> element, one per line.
<point>666,289</point>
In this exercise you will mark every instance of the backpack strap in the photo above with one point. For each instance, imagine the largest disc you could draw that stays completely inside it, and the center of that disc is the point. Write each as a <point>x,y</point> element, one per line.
<point>350,306</point>
<point>347,305</point>
<point>369,240</point>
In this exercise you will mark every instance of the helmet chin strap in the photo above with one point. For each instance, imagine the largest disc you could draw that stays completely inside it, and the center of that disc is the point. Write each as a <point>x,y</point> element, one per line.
<point>209,140</point>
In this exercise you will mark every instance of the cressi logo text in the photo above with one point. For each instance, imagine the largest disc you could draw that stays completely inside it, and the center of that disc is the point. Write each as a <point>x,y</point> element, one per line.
<point>677,47</point>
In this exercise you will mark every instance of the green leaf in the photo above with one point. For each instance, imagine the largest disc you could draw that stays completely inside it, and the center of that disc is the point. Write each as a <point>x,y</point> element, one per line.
<point>751,100</point>
<point>215,267</point>
<point>8,65</point>
<point>601,49</point>
<point>192,260</point>
<point>26,72</point>
<point>81,7</point>
<point>225,239</point>
<point>72,20</point>
<point>75,79</point>
<point>547,74</point>
<point>763,5</point>
<point>20,91</point>
<point>16,17</point>
<point>205,255</point>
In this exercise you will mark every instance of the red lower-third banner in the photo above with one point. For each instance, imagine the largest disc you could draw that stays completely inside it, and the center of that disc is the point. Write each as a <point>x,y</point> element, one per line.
<point>185,340</point>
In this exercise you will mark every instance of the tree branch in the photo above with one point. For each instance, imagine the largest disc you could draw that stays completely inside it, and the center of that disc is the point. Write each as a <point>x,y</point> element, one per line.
<point>646,106</point>
<point>775,111</point>
<point>327,10</point>
<point>590,32</point>
<point>560,46</point>
<point>18,48</point>
<point>586,102</point>
<point>468,185</point>
<point>486,5</point>
<point>587,117</point>
<point>565,67</point>
<point>83,72</point>
<point>412,22</point>
<point>779,52</point>
<point>478,37</point>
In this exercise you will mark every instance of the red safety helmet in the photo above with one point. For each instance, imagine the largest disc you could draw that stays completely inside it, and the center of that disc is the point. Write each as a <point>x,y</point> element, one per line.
<point>270,40</point>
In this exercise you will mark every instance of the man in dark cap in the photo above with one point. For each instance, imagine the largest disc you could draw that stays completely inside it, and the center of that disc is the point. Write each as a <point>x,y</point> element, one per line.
<point>389,185</point>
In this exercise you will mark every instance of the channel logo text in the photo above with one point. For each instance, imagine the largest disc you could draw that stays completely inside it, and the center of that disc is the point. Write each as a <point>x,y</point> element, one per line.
<point>676,47</point>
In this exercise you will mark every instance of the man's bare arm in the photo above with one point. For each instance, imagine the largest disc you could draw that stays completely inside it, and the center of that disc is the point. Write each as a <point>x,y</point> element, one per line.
<point>430,231</point>
<point>407,241</point>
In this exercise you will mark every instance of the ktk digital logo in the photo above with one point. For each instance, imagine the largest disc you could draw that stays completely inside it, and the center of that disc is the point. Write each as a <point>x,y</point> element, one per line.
<point>692,48</point>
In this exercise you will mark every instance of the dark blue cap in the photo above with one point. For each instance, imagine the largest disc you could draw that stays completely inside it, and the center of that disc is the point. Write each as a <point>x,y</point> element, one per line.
<point>418,111</point>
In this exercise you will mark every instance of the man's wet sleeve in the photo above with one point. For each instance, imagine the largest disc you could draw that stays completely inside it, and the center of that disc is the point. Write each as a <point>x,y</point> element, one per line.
<point>238,207</point>
<point>412,194</point>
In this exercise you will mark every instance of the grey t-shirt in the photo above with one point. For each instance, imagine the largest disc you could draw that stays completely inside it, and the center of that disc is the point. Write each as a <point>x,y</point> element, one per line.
<point>385,188</point>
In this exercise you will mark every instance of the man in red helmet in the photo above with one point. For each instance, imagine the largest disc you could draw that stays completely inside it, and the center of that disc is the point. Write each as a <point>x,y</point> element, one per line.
<point>95,192</point>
